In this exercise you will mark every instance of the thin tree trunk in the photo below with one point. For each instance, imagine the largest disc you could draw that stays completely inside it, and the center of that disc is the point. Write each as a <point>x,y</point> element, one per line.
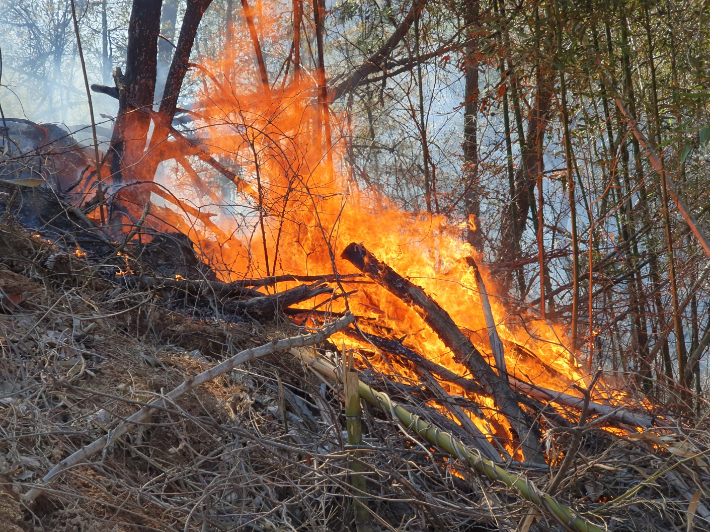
<point>472,200</point>
<point>297,20</point>
<point>428,184</point>
<point>322,87</point>
<point>249,17</point>
<point>677,323</point>
<point>229,41</point>
<point>569,156</point>
<point>105,62</point>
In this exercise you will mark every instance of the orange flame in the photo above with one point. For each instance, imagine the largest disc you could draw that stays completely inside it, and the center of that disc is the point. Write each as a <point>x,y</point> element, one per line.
<point>300,208</point>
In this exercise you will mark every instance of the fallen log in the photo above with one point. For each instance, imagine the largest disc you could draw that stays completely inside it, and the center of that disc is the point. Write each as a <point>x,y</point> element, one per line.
<point>448,444</point>
<point>463,349</point>
<point>258,303</point>
<point>190,384</point>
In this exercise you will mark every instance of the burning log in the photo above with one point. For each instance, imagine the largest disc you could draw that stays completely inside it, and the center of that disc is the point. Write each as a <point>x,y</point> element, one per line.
<point>463,349</point>
<point>540,395</point>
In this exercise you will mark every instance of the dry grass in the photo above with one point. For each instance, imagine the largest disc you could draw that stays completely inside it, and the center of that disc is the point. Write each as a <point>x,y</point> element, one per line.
<point>80,354</point>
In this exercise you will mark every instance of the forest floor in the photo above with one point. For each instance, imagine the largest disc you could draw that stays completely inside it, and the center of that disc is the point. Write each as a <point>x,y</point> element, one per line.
<point>262,447</point>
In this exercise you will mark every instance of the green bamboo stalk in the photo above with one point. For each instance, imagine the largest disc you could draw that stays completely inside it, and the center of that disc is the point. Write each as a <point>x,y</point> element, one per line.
<point>471,457</point>
<point>353,414</point>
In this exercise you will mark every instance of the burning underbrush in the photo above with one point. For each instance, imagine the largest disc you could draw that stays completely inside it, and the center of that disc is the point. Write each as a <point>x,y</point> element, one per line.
<point>97,333</point>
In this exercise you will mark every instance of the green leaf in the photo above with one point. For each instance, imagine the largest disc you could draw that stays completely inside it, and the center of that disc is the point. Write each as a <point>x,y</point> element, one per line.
<point>684,153</point>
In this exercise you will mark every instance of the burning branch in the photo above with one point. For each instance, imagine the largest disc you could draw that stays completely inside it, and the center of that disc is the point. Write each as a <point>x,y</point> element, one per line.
<point>464,350</point>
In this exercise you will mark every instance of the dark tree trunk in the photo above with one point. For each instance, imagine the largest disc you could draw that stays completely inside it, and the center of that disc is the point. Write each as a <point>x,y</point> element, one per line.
<point>472,200</point>
<point>136,90</point>
<point>181,58</point>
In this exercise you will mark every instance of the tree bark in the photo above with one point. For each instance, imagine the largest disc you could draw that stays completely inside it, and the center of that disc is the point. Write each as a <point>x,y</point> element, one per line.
<point>472,199</point>
<point>136,89</point>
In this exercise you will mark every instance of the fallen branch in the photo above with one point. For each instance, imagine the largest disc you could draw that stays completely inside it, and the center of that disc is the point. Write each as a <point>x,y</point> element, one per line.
<point>257,304</point>
<point>447,443</point>
<point>618,414</point>
<point>271,304</point>
<point>463,349</point>
<point>396,348</point>
<point>190,384</point>
<point>542,395</point>
<point>237,287</point>
<point>493,338</point>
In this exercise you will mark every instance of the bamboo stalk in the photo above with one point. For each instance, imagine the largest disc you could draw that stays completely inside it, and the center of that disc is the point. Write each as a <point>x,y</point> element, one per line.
<point>353,414</point>
<point>447,443</point>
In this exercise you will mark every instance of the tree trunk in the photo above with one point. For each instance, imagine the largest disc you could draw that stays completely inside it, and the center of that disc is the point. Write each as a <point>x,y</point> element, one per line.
<point>472,199</point>
<point>136,90</point>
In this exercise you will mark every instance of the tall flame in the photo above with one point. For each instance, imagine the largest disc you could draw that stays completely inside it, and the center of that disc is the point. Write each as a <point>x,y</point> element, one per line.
<point>299,207</point>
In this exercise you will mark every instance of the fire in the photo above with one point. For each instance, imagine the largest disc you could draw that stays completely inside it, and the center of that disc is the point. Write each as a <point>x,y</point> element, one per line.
<point>128,270</point>
<point>305,208</point>
<point>78,252</point>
